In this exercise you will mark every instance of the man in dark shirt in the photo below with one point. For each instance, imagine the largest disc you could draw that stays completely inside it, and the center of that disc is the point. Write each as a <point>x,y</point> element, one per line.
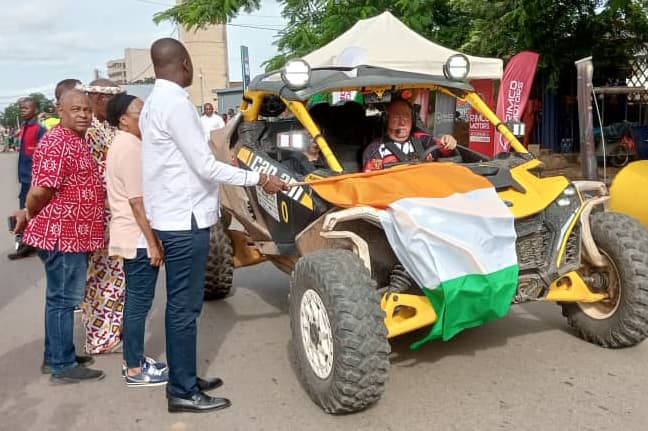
<point>31,133</point>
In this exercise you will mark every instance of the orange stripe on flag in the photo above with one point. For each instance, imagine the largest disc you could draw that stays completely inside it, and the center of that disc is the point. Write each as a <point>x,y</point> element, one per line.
<point>380,188</point>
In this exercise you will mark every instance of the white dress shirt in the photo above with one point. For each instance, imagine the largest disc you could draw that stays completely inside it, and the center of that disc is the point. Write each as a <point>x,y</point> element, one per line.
<point>179,172</point>
<point>212,122</point>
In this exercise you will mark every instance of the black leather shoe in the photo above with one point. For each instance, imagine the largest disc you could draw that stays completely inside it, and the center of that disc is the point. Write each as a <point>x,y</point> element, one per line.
<point>209,383</point>
<point>76,375</point>
<point>23,250</point>
<point>82,361</point>
<point>199,403</point>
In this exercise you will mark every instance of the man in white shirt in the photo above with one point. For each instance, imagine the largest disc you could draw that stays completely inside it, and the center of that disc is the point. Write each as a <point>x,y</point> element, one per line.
<point>180,182</point>
<point>209,120</point>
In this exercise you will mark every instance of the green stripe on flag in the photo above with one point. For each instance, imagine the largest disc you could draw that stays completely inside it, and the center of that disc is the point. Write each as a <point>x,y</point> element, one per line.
<point>471,300</point>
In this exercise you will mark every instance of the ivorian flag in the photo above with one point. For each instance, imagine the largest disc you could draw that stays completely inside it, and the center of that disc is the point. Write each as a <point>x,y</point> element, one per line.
<point>450,231</point>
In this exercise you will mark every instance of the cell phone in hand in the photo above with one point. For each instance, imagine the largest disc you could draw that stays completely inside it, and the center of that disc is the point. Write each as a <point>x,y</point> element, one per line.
<point>11,221</point>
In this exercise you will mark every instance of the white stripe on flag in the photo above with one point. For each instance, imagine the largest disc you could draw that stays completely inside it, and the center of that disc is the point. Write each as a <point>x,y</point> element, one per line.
<point>439,239</point>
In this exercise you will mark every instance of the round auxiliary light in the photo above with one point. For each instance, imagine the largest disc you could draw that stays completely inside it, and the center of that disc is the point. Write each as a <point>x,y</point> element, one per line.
<point>569,191</point>
<point>456,67</point>
<point>296,74</point>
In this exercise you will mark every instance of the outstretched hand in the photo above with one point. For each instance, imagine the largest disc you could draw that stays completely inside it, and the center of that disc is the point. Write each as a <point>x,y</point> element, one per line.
<point>274,185</point>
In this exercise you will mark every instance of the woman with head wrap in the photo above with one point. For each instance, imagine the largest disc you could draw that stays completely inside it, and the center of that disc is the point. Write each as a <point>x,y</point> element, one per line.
<point>132,238</point>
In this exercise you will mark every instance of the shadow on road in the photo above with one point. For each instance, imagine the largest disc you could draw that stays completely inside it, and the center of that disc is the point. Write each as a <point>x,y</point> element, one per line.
<point>270,284</point>
<point>521,320</point>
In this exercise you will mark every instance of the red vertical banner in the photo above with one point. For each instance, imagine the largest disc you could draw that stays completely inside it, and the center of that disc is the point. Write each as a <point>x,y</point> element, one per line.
<point>514,92</point>
<point>480,130</point>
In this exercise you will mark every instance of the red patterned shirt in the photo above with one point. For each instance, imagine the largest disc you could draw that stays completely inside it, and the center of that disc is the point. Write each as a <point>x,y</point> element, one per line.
<point>73,218</point>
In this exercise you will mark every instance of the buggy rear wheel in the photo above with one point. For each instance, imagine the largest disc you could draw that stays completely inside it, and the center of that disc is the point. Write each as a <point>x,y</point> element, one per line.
<point>622,319</point>
<point>339,338</point>
<point>220,264</point>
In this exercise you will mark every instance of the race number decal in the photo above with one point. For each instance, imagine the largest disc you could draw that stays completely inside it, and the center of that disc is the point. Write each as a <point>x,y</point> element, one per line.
<point>268,202</point>
<point>284,211</point>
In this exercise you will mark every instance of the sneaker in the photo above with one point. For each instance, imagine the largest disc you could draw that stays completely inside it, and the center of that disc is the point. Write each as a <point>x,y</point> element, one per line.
<point>149,376</point>
<point>82,361</point>
<point>76,375</point>
<point>152,363</point>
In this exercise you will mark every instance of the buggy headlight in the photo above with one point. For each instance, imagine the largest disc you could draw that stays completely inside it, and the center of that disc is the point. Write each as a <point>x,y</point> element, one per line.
<point>456,67</point>
<point>296,74</point>
<point>569,191</point>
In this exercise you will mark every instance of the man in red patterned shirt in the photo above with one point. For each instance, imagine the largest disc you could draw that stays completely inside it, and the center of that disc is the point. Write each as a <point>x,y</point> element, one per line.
<point>64,220</point>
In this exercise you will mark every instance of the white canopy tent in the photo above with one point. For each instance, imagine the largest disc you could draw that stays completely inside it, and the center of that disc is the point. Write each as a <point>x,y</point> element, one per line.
<point>385,41</point>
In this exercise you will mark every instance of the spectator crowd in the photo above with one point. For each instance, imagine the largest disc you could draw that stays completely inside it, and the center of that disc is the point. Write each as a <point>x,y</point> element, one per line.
<point>112,188</point>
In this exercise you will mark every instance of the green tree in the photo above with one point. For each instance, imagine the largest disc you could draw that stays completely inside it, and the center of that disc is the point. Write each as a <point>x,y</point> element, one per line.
<point>10,117</point>
<point>561,31</point>
<point>11,113</point>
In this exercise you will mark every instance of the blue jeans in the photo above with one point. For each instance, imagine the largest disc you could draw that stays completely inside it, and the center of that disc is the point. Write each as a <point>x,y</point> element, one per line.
<point>140,290</point>
<point>185,255</point>
<point>66,281</point>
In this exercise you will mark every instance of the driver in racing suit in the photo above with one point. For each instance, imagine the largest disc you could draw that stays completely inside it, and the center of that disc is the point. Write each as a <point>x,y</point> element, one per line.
<point>400,145</point>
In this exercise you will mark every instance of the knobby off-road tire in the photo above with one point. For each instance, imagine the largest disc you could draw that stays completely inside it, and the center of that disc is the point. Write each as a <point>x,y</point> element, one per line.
<point>220,264</point>
<point>625,243</point>
<point>334,304</point>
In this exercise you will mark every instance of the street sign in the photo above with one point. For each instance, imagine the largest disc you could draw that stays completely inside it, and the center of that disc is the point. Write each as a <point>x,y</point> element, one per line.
<point>245,67</point>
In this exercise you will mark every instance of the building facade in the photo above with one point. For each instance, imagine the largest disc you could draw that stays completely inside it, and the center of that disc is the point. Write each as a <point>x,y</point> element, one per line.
<point>208,50</point>
<point>135,66</point>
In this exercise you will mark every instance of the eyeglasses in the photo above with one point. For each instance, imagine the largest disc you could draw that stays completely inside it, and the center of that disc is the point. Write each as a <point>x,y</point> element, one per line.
<point>399,117</point>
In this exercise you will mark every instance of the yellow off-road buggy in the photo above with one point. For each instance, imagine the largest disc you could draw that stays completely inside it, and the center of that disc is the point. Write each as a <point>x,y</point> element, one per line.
<point>349,294</point>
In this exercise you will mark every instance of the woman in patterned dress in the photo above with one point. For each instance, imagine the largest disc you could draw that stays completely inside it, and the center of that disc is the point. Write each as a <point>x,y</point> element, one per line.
<point>103,305</point>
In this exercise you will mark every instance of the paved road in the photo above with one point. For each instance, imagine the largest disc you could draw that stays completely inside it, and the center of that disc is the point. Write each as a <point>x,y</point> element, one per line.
<point>524,372</point>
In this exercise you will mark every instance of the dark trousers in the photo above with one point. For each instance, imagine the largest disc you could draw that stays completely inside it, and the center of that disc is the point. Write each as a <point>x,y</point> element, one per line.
<point>22,196</point>
<point>141,277</point>
<point>66,280</point>
<point>185,259</point>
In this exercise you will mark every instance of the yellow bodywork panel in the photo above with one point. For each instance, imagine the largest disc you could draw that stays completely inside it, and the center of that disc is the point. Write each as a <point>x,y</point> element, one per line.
<point>304,118</point>
<point>571,288</point>
<point>244,155</point>
<point>481,107</point>
<point>406,313</point>
<point>540,192</point>
<point>629,191</point>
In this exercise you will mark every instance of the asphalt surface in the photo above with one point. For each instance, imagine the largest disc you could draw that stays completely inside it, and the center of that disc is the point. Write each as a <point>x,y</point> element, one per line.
<point>527,371</point>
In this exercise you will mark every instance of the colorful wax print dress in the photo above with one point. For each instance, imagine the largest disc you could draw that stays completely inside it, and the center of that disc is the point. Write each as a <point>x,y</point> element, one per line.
<point>103,306</point>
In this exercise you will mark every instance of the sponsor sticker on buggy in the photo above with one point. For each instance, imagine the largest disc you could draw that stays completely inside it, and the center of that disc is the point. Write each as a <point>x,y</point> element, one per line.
<point>268,202</point>
<point>267,166</point>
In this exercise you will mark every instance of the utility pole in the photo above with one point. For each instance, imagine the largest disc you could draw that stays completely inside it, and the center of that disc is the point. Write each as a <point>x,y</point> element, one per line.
<point>202,97</point>
<point>584,72</point>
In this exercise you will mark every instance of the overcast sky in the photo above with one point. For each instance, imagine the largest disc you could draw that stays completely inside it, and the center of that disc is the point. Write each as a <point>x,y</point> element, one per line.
<point>44,41</point>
